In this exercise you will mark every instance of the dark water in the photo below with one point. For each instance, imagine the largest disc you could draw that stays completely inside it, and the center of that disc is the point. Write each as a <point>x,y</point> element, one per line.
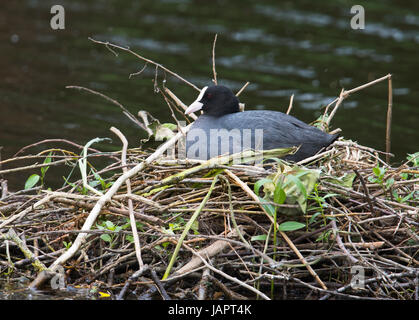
<point>306,48</point>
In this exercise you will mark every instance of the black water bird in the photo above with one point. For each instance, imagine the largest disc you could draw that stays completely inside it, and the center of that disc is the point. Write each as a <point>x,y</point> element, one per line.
<point>223,128</point>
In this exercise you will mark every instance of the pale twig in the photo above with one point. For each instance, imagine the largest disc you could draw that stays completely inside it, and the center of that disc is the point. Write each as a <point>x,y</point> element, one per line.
<point>138,72</point>
<point>124,110</point>
<point>369,84</point>
<point>83,166</point>
<point>345,93</point>
<point>46,141</point>
<point>338,103</point>
<point>340,243</point>
<point>132,220</point>
<point>158,65</point>
<point>210,251</point>
<point>213,60</point>
<point>179,102</point>
<point>242,89</point>
<point>171,110</point>
<point>290,105</point>
<point>389,116</point>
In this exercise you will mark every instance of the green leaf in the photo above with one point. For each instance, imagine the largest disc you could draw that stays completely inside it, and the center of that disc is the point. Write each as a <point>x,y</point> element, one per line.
<point>298,183</point>
<point>106,237</point>
<point>279,194</point>
<point>261,237</point>
<point>313,217</point>
<point>260,183</point>
<point>389,183</point>
<point>32,181</point>
<point>110,225</point>
<point>268,207</point>
<point>291,226</point>
<point>47,160</point>
<point>170,126</point>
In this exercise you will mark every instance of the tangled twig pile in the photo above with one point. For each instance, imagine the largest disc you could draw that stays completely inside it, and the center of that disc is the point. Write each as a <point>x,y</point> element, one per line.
<point>344,226</point>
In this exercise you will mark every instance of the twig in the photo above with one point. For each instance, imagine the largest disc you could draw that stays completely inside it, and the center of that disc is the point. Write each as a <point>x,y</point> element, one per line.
<point>213,60</point>
<point>132,278</point>
<point>130,206</point>
<point>345,93</point>
<point>159,285</point>
<point>389,116</point>
<point>340,243</point>
<point>125,110</point>
<point>290,105</point>
<point>158,65</point>
<point>209,251</point>
<point>179,102</point>
<point>203,284</point>
<point>242,88</point>
<point>367,195</point>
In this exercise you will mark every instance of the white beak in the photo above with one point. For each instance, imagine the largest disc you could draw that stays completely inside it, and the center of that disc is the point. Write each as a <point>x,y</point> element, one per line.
<point>197,104</point>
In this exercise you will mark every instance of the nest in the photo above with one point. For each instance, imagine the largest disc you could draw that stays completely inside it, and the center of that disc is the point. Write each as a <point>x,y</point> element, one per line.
<point>236,246</point>
<point>340,225</point>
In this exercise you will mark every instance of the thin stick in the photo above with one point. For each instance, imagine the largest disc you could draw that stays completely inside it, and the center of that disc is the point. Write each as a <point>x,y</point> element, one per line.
<point>338,103</point>
<point>341,244</point>
<point>369,84</point>
<point>367,194</point>
<point>125,111</point>
<point>290,105</point>
<point>132,220</point>
<point>242,89</point>
<point>158,65</point>
<point>345,93</point>
<point>213,60</point>
<point>179,102</point>
<point>389,116</point>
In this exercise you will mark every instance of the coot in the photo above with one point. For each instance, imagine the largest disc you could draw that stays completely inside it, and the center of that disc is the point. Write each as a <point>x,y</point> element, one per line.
<point>222,128</point>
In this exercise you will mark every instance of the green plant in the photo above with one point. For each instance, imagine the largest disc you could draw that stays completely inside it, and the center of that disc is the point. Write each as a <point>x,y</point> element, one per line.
<point>100,181</point>
<point>67,245</point>
<point>112,236</point>
<point>127,225</point>
<point>401,199</point>
<point>378,177</point>
<point>319,204</point>
<point>34,178</point>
